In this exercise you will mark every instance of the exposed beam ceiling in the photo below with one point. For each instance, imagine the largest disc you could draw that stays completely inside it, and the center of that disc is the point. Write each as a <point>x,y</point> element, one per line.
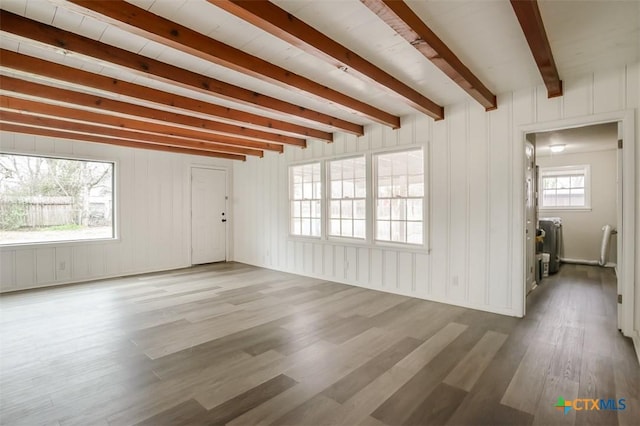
<point>39,131</point>
<point>39,108</point>
<point>151,115</point>
<point>281,24</point>
<point>530,20</point>
<point>35,66</point>
<point>141,22</point>
<point>399,16</point>
<point>15,117</point>
<point>147,67</point>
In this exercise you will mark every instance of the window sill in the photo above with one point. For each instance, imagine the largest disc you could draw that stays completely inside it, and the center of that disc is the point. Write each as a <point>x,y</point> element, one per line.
<point>565,209</point>
<point>49,244</point>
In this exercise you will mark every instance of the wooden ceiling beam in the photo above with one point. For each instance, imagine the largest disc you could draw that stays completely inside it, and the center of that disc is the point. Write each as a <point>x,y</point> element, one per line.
<point>399,16</point>
<point>89,117</point>
<point>50,70</point>
<point>11,116</point>
<point>528,14</point>
<point>153,27</point>
<point>66,41</point>
<point>279,23</point>
<point>181,123</point>
<point>39,131</point>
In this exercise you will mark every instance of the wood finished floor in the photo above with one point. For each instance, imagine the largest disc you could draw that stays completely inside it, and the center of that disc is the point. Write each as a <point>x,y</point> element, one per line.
<point>235,344</point>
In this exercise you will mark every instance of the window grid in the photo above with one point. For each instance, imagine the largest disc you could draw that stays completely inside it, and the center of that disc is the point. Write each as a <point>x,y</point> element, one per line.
<point>565,188</point>
<point>400,197</point>
<point>347,197</point>
<point>305,200</point>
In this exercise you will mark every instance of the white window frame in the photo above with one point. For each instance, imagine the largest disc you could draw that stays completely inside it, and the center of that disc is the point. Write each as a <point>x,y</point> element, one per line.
<point>329,198</point>
<point>321,199</point>
<point>374,197</point>
<point>115,202</point>
<point>581,169</point>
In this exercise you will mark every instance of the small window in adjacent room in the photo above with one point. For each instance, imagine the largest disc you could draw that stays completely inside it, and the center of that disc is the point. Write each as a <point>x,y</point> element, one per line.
<point>399,196</point>
<point>305,195</point>
<point>565,188</point>
<point>347,197</point>
<point>45,199</point>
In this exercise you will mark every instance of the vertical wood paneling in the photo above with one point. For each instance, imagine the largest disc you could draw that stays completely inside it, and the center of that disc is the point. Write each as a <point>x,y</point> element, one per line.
<point>151,194</point>
<point>473,168</point>
<point>318,259</point>
<point>547,109</point>
<point>45,265</point>
<point>421,274</point>
<point>25,268</point>
<point>7,270</point>
<point>80,263</point>
<point>338,262</point>
<point>578,96</point>
<point>439,178</point>
<point>7,141</point>
<point>390,270</point>
<point>499,176</point>
<point>376,269</point>
<point>63,263</point>
<point>608,91</point>
<point>329,270</point>
<point>363,265</point>
<point>458,207</point>
<point>351,264</point>
<point>405,272</point>
<point>298,256</point>
<point>478,202</point>
<point>24,143</point>
<point>375,136</point>
<point>308,258</point>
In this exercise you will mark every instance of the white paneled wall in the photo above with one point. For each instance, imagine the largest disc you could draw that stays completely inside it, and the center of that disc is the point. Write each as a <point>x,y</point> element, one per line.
<point>153,205</point>
<point>475,164</point>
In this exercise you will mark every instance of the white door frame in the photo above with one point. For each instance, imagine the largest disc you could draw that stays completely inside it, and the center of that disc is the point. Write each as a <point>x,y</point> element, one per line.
<point>626,229</point>
<point>227,207</point>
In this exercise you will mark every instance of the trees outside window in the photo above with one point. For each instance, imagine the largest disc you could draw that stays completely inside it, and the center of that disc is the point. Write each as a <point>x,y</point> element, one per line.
<point>54,199</point>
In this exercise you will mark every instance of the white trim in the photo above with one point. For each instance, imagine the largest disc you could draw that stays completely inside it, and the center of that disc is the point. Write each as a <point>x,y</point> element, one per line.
<point>228,206</point>
<point>626,260</point>
<point>555,171</point>
<point>115,204</point>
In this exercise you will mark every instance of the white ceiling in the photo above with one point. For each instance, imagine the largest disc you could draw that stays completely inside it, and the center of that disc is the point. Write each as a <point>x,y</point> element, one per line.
<point>600,137</point>
<point>585,36</point>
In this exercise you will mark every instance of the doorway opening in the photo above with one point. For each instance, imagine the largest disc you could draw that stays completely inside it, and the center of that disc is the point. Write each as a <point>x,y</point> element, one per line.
<point>578,192</point>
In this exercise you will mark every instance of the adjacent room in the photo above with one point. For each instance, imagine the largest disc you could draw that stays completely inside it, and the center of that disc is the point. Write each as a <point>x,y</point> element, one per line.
<point>319,212</point>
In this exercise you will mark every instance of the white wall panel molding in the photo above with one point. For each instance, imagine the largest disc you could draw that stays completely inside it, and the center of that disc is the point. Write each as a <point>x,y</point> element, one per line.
<point>474,162</point>
<point>153,220</point>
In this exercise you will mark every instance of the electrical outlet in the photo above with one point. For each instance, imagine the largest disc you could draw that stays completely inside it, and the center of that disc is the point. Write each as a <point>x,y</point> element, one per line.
<point>62,265</point>
<point>454,281</point>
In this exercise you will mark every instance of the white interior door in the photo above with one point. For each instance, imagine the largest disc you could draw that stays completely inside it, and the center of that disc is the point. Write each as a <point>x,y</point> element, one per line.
<point>530,212</point>
<point>208,215</point>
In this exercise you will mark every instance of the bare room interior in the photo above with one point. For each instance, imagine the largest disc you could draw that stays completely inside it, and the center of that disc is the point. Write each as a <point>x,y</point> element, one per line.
<point>319,212</point>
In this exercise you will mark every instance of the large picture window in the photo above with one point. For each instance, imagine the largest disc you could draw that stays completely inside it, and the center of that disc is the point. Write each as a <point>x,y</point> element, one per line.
<point>565,188</point>
<point>348,197</point>
<point>399,197</point>
<point>46,199</point>
<point>305,195</point>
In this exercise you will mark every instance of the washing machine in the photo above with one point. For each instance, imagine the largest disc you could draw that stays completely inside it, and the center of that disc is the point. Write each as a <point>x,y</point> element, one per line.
<point>552,244</point>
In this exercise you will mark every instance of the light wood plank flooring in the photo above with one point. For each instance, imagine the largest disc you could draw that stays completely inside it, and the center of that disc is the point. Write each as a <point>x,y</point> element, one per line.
<point>235,344</point>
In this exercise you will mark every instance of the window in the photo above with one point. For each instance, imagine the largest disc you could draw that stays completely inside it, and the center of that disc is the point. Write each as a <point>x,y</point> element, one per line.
<point>348,197</point>
<point>52,199</point>
<point>305,195</point>
<point>399,196</point>
<point>565,188</point>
